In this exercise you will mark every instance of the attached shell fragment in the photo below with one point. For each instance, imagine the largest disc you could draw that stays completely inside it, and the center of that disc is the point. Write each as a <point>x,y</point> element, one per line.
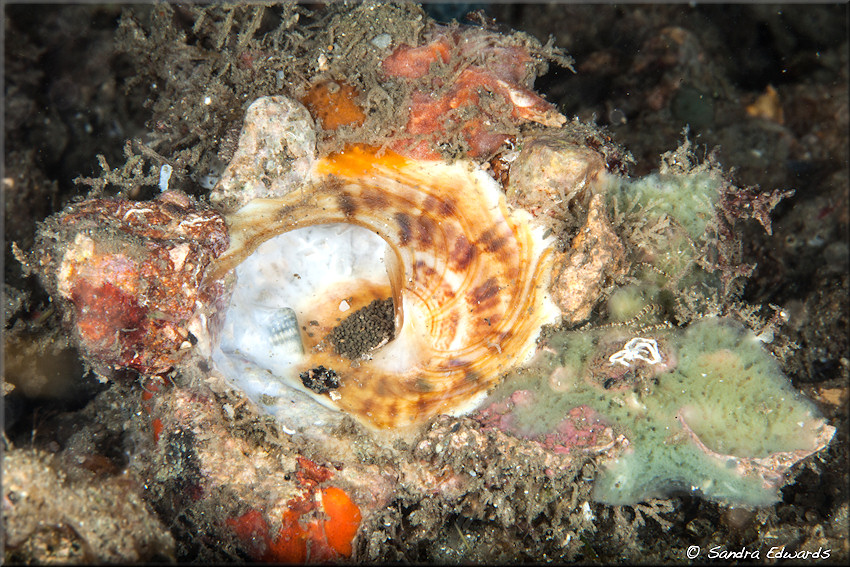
<point>554,179</point>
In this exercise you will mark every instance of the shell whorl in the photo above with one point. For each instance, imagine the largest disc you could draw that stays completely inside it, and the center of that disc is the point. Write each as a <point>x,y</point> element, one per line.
<point>469,279</point>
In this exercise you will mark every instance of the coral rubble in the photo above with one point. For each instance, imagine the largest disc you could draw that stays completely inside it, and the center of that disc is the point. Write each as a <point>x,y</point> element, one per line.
<point>416,312</point>
<point>132,276</point>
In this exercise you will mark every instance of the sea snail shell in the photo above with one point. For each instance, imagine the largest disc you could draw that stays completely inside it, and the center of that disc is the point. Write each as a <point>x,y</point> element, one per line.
<point>469,280</point>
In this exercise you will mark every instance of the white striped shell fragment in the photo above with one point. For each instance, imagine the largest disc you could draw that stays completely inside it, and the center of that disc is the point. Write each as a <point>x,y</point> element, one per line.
<point>468,278</point>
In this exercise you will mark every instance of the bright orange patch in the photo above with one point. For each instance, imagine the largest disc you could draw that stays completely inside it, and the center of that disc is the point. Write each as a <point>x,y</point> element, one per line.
<point>768,106</point>
<point>250,525</point>
<point>291,543</point>
<point>252,528</point>
<point>344,519</point>
<point>358,160</point>
<point>332,104</point>
<point>301,539</point>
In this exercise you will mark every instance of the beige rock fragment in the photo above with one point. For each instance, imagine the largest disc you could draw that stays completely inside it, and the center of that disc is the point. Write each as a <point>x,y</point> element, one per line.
<point>276,153</point>
<point>595,258</point>
<point>555,178</point>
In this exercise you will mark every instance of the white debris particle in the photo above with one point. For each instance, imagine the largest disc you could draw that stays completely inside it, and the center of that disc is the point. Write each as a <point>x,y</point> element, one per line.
<point>164,176</point>
<point>382,41</point>
<point>587,512</point>
<point>209,180</point>
<point>765,336</point>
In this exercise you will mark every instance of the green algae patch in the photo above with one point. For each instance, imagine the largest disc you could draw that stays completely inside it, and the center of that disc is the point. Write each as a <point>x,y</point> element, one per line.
<point>670,221</point>
<point>670,218</point>
<point>689,199</point>
<point>706,410</point>
<point>741,403</point>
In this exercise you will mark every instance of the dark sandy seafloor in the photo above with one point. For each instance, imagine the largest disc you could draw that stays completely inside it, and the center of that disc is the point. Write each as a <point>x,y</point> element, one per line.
<point>75,88</point>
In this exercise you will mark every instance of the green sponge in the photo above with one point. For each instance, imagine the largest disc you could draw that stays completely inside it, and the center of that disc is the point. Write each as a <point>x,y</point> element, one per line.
<point>709,411</point>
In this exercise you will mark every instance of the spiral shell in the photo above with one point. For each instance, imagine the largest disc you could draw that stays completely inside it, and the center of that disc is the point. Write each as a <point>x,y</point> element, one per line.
<point>469,280</point>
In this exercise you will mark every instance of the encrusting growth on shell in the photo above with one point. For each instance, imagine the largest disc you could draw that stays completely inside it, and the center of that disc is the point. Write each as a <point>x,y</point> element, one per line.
<point>469,278</point>
<point>130,274</point>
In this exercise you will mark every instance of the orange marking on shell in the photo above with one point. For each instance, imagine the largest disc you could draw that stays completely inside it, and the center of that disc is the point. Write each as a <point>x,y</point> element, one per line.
<point>442,290</point>
<point>360,160</point>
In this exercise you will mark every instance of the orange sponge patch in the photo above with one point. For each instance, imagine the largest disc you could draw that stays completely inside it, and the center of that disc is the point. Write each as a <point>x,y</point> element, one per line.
<point>332,104</point>
<point>291,543</point>
<point>344,519</point>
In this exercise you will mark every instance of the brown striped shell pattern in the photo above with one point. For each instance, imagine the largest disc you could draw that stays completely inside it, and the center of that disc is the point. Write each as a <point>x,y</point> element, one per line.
<point>469,280</point>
